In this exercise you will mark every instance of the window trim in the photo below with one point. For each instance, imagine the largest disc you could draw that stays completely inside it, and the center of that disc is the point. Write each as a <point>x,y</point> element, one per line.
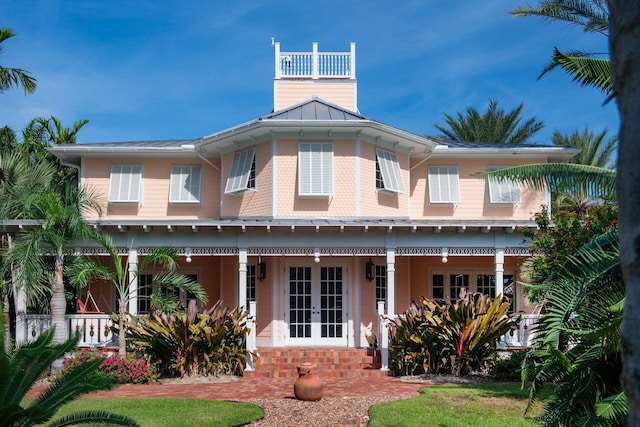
<point>243,169</point>
<point>130,174</point>
<point>434,171</point>
<point>511,187</point>
<point>174,176</point>
<point>389,167</point>
<point>315,163</point>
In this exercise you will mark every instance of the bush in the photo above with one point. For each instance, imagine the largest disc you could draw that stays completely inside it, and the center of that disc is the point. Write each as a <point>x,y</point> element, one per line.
<point>208,343</point>
<point>449,337</point>
<point>510,367</point>
<point>123,370</point>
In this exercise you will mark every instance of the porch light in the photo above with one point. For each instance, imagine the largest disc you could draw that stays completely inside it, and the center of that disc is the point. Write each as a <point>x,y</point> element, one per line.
<point>262,269</point>
<point>369,271</point>
<point>316,255</point>
<point>187,251</point>
<point>445,255</point>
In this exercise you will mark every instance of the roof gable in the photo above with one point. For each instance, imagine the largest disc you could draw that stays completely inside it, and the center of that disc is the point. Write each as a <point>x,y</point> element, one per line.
<point>314,108</point>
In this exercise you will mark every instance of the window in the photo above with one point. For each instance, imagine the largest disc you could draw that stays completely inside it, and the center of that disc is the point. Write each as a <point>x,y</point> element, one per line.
<point>126,184</point>
<point>381,285</point>
<point>186,184</point>
<point>486,284</point>
<point>243,172</point>
<point>449,283</point>
<point>315,169</point>
<point>503,192</point>
<point>388,176</point>
<point>144,293</point>
<point>444,184</point>
<point>251,283</point>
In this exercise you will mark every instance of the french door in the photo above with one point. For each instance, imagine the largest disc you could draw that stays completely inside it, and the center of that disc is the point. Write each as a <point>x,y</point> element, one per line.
<point>315,305</point>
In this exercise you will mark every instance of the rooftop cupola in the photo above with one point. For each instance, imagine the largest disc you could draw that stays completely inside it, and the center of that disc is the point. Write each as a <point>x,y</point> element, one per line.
<point>328,75</point>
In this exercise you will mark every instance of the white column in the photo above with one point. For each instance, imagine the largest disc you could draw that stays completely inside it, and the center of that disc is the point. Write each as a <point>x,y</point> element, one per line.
<point>352,57</point>
<point>278,72</point>
<point>499,260</point>
<point>251,336</point>
<point>391,282</point>
<point>242,278</point>
<point>21,312</point>
<point>315,62</point>
<point>383,337</point>
<point>133,281</point>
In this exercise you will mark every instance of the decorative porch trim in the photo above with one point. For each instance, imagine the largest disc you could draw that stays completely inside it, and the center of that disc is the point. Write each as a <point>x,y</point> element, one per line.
<point>518,251</point>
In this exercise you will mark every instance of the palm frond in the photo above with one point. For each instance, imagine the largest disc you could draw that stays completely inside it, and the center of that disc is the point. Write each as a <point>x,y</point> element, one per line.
<point>584,69</point>
<point>94,418</point>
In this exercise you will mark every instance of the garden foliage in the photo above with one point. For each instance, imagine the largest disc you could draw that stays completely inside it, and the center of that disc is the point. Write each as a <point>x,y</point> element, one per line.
<point>456,337</point>
<point>129,369</point>
<point>210,342</point>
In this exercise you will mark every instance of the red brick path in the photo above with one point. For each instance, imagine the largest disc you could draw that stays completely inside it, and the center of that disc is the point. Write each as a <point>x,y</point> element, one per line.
<point>260,388</point>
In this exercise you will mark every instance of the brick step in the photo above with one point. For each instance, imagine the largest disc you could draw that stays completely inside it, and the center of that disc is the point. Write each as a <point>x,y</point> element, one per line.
<point>282,362</point>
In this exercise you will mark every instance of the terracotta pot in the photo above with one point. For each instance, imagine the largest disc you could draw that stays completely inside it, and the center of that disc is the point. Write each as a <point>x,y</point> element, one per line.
<point>308,386</point>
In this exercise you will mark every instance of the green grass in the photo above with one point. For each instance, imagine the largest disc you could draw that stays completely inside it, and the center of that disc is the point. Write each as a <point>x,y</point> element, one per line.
<point>487,405</point>
<point>171,412</point>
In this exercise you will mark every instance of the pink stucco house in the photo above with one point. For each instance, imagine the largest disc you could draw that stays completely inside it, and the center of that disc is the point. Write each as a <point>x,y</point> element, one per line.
<point>314,216</point>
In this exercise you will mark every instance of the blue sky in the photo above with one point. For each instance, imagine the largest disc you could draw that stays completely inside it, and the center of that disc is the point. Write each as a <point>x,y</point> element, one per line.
<point>152,70</point>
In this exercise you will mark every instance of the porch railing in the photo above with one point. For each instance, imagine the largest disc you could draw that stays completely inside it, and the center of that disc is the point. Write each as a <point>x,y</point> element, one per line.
<point>94,328</point>
<point>523,336</point>
<point>316,65</point>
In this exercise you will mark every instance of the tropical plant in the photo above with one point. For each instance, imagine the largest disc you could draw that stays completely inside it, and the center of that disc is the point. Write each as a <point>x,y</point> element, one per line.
<point>587,68</point>
<point>578,344</point>
<point>13,77</point>
<point>129,369</point>
<point>494,126</point>
<point>59,217</point>
<point>117,272</point>
<point>210,342</point>
<point>20,370</point>
<point>456,337</point>
<point>595,150</point>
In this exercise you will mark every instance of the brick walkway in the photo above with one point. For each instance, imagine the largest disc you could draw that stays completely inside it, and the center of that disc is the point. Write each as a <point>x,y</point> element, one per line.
<point>260,388</point>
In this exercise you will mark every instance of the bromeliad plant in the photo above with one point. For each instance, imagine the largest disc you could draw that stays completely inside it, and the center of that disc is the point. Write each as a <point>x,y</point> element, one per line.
<point>456,337</point>
<point>210,342</point>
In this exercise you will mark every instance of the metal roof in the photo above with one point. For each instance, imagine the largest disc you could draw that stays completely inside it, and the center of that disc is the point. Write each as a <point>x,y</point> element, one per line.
<point>314,108</point>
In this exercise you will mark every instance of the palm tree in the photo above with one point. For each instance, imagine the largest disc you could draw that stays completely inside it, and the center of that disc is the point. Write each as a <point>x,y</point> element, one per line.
<point>21,369</point>
<point>59,213</point>
<point>494,126</point>
<point>117,272</point>
<point>12,77</point>
<point>595,150</point>
<point>586,68</point>
<point>41,133</point>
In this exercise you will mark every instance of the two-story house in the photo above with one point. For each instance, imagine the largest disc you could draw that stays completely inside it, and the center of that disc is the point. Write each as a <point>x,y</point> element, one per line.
<point>314,212</point>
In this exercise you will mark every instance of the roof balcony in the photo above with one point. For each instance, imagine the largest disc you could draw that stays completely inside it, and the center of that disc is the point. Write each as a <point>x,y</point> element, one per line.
<point>315,65</point>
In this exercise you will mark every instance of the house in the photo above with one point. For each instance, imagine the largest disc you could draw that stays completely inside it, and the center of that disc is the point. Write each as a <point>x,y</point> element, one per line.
<point>314,216</point>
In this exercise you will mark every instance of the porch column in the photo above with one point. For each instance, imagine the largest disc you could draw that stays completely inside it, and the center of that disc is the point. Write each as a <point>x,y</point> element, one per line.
<point>242,278</point>
<point>21,311</point>
<point>133,281</point>
<point>499,260</point>
<point>391,308</point>
<point>251,336</point>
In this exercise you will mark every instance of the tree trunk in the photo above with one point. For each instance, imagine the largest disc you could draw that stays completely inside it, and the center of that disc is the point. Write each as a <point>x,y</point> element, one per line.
<point>122,340</point>
<point>6,319</point>
<point>58,310</point>
<point>625,68</point>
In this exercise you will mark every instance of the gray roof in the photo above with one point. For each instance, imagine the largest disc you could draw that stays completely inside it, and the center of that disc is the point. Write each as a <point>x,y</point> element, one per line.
<point>314,108</point>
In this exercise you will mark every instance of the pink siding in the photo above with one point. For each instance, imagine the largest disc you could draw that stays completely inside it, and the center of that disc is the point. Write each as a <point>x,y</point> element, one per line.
<point>251,203</point>
<point>156,177</point>
<point>473,194</point>
<point>291,92</point>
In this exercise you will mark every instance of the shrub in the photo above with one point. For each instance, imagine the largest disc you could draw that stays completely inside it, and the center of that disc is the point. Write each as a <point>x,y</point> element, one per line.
<point>130,369</point>
<point>510,367</point>
<point>456,337</point>
<point>208,343</point>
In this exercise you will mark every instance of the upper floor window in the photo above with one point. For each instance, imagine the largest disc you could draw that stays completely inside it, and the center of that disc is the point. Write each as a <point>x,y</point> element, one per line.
<point>243,172</point>
<point>126,184</point>
<point>186,184</point>
<point>444,184</point>
<point>503,192</point>
<point>388,176</point>
<point>315,169</point>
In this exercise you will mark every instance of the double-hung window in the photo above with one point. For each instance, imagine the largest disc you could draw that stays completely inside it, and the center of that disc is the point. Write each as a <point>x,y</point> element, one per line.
<point>186,184</point>
<point>315,169</point>
<point>502,192</point>
<point>388,176</point>
<point>126,184</point>
<point>243,172</point>
<point>444,184</point>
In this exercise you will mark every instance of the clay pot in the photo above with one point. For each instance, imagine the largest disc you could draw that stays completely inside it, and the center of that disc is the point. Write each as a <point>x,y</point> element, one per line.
<point>308,386</point>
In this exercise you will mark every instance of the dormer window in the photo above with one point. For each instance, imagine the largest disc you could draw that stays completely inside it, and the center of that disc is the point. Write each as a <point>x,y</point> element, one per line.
<point>186,184</point>
<point>502,192</point>
<point>125,184</point>
<point>444,185</point>
<point>388,176</point>
<point>243,172</point>
<point>315,169</point>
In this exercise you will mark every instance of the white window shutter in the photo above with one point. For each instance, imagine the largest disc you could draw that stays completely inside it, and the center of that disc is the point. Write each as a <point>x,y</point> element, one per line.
<point>186,183</point>
<point>240,171</point>
<point>390,170</point>
<point>444,184</point>
<point>126,183</point>
<point>503,192</point>
<point>315,169</point>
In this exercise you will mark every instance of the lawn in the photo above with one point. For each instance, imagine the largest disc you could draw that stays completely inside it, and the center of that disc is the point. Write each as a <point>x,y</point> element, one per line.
<point>171,412</point>
<point>487,405</point>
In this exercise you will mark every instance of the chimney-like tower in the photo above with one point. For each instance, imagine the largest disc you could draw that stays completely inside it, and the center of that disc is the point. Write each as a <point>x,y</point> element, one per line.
<point>328,75</point>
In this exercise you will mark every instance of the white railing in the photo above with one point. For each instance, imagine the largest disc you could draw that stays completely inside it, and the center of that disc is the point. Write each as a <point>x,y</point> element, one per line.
<point>94,328</point>
<point>523,336</point>
<point>316,65</point>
